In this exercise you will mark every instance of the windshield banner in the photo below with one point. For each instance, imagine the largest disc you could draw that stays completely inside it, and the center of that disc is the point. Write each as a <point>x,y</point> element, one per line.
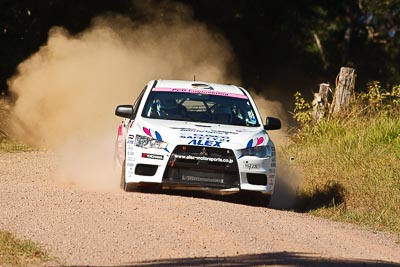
<point>199,91</point>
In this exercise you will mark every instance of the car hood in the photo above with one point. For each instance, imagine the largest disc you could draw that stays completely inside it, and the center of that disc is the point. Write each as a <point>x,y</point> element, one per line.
<point>202,134</point>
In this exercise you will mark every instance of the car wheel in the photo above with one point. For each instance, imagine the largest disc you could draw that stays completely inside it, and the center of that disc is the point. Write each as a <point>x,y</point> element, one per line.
<point>266,200</point>
<point>124,185</point>
<point>255,198</point>
<point>261,200</point>
<point>127,187</point>
<point>122,176</point>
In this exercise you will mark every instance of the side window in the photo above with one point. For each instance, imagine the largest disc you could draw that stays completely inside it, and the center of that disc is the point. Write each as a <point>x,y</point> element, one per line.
<point>137,103</point>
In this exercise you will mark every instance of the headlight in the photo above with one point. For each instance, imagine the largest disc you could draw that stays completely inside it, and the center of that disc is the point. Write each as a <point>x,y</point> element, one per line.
<point>148,142</point>
<point>257,151</point>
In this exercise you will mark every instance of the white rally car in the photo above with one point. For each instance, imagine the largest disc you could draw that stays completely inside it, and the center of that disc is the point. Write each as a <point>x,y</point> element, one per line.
<point>196,136</point>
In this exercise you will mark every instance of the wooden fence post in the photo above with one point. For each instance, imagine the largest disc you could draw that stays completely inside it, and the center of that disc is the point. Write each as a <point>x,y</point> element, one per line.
<point>320,103</point>
<point>344,90</point>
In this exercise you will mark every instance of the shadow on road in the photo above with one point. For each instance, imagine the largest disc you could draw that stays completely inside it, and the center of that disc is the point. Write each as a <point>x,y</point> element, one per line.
<point>332,194</point>
<point>264,259</point>
<point>329,195</point>
<point>284,197</point>
<point>244,198</point>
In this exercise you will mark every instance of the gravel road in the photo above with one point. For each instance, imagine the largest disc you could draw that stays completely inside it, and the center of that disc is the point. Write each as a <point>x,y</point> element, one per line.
<point>114,228</point>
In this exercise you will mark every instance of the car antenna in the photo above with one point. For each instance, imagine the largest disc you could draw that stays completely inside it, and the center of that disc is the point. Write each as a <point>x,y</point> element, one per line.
<point>194,77</point>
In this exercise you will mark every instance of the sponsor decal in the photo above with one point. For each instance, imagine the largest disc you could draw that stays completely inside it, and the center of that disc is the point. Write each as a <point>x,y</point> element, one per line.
<point>120,130</point>
<point>204,138</point>
<point>210,159</point>
<point>205,131</point>
<point>201,179</point>
<point>152,133</point>
<point>120,146</point>
<point>131,153</point>
<point>130,142</point>
<point>152,156</point>
<point>251,166</point>
<point>131,136</point>
<point>199,91</point>
<point>220,138</point>
<point>205,143</point>
<point>255,142</point>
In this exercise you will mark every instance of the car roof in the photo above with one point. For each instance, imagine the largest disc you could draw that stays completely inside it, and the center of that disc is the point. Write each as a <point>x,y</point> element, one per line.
<point>196,85</point>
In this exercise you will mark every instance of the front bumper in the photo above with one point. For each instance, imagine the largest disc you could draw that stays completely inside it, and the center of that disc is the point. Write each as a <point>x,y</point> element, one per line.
<point>202,168</point>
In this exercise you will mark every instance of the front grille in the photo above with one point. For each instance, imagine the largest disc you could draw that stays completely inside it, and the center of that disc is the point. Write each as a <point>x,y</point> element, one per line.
<point>202,166</point>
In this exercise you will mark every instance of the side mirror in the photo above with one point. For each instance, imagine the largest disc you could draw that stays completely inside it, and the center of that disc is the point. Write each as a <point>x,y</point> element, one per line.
<point>272,124</point>
<point>125,111</point>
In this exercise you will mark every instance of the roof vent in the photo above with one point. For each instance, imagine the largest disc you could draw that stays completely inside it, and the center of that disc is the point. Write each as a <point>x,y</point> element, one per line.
<point>201,85</point>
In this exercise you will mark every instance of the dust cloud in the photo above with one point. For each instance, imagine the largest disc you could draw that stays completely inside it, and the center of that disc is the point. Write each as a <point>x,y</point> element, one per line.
<point>66,92</point>
<point>288,178</point>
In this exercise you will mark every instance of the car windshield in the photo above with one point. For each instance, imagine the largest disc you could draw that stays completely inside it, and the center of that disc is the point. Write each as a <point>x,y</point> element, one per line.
<point>217,108</point>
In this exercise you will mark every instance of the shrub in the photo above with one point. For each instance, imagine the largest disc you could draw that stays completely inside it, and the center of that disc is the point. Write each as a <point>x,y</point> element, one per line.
<point>351,164</point>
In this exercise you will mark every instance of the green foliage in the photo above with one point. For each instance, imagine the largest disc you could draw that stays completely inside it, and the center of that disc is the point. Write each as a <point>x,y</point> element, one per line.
<point>378,99</point>
<point>351,164</point>
<point>302,109</point>
<point>16,252</point>
<point>355,33</point>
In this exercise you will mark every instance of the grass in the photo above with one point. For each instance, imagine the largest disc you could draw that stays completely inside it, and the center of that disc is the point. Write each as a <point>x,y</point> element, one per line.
<point>17,252</point>
<point>351,165</point>
<point>11,146</point>
<point>7,143</point>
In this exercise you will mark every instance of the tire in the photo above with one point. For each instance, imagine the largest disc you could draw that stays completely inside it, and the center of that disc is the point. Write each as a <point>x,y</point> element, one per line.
<point>255,199</point>
<point>128,187</point>
<point>266,200</point>
<point>124,185</point>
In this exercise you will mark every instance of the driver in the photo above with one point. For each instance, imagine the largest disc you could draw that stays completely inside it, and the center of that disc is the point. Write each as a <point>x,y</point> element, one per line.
<point>165,107</point>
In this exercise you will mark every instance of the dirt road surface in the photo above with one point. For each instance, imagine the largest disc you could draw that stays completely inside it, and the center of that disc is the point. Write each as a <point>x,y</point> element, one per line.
<point>113,228</point>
